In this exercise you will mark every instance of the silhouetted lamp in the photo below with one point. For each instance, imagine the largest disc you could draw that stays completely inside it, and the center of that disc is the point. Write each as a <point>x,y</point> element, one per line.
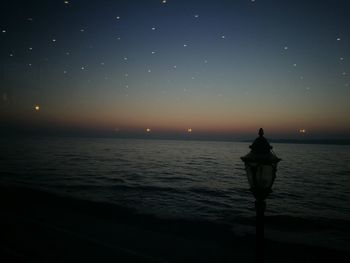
<point>261,166</point>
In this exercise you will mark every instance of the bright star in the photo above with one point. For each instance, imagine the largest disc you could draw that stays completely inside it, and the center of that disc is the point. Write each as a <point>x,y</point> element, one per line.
<point>36,107</point>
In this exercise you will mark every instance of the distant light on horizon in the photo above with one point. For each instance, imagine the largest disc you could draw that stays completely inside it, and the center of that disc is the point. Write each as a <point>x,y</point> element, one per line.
<point>189,130</point>
<point>37,107</point>
<point>148,130</point>
<point>302,131</point>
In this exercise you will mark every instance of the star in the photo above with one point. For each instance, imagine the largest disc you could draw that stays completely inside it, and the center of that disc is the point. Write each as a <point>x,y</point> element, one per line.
<point>30,64</point>
<point>153,28</point>
<point>66,2</point>
<point>285,48</point>
<point>82,68</point>
<point>185,45</point>
<point>148,130</point>
<point>64,72</point>
<point>82,30</point>
<point>67,53</point>
<point>54,40</point>
<point>189,130</point>
<point>3,31</point>
<point>153,52</point>
<point>338,38</point>
<point>294,65</point>
<point>163,1</point>
<point>223,37</point>
<point>125,59</point>
<point>196,15</point>
<point>30,48</point>
<point>174,66</point>
<point>149,71</point>
<point>118,17</point>
<point>36,107</point>
<point>341,58</point>
<point>11,55</point>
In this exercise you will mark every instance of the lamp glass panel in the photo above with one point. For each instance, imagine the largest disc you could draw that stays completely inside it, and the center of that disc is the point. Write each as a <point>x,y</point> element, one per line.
<point>250,175</point>
<point>265,176</point>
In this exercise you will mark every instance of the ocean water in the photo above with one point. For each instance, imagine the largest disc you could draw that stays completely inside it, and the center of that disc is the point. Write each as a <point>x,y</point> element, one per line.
<point>196,180</point>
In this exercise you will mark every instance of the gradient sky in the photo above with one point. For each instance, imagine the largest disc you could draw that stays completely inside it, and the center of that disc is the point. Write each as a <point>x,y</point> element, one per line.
<point>218,67</point>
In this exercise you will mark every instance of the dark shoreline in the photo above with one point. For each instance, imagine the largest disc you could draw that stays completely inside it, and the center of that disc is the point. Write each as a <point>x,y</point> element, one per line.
<point>37,226</point>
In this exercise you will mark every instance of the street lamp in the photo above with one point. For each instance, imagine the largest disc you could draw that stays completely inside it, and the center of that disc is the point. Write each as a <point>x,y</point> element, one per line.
<point>261,166</point>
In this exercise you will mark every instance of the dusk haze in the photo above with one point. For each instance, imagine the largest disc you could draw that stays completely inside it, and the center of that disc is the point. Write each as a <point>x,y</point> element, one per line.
<point>222,67</point>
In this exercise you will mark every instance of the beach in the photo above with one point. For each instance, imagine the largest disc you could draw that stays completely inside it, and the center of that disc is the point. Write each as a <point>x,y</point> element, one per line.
<point>38,226</point>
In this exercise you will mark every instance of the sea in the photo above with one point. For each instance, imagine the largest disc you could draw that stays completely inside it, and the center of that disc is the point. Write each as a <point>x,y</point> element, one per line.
<point>193,180</point>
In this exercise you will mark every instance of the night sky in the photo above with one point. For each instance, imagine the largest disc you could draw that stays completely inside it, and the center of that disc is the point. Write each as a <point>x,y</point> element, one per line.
<point>176,68</point>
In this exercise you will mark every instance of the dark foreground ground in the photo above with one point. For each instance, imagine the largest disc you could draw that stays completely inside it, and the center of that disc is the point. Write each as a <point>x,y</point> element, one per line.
<point>37,226</point>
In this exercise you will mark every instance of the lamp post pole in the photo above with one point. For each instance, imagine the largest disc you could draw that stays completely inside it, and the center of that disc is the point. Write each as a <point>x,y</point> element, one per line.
<point>260,206</point>
<point>261,167</point>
